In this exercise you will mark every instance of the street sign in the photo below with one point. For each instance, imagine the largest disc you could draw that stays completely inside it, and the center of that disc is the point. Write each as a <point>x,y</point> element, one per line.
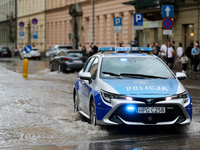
<point>35,34</point>
<point>167,23</point>
<point>167,32</point>
<point>21,35</point>
<point>21,24</point>
<point>34,21</point>
<point>117,25</point>
<point>167,11</point>
<point>27,48</point>
<point>138,19</point>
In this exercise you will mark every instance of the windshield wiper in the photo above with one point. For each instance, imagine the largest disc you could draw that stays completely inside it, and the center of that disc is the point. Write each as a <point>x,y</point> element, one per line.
<point>141,75</point>
<point>112,74</point>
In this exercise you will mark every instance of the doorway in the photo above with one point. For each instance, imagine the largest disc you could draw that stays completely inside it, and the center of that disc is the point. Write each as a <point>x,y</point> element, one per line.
<point>188,35</point>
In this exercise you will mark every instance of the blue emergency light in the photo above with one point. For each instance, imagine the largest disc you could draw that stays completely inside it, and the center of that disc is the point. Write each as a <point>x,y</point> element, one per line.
<point>146,49</point>
<point>106,49</point>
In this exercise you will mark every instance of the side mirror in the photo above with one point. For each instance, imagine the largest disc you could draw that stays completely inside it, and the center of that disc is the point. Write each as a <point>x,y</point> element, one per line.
<point>181,76</point>
<point>86,76</point>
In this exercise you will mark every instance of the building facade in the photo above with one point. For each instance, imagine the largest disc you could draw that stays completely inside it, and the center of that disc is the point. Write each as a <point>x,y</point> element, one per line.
<point>62,29</point>
<point>27,11</point>
<point>186,21</point>
<point>8,24</point>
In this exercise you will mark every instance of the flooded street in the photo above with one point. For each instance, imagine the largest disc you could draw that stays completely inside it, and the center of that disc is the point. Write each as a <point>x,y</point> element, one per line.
<point>37,113</point>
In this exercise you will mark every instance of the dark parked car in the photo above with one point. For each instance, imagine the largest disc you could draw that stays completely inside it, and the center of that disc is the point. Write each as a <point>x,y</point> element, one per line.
<point>66,60</point>
<point>5,52</point>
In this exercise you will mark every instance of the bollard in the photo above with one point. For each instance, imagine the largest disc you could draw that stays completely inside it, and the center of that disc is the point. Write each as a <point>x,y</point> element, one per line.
<point>25,68</point>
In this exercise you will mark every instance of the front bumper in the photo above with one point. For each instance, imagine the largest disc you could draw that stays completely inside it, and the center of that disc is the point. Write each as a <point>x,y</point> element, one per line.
<point>175,113</point>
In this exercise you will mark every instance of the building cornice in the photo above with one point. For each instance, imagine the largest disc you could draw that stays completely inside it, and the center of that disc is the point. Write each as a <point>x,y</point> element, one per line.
<point>31,14</point>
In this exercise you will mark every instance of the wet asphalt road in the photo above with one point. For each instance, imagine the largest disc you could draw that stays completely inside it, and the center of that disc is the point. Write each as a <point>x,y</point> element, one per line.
<point>37,113</point>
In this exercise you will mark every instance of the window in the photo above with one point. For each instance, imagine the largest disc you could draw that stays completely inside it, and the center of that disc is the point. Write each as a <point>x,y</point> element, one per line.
<point>62,53</point>
<point>93,69</point>
<point>88,30</point>
<point>87,64</point>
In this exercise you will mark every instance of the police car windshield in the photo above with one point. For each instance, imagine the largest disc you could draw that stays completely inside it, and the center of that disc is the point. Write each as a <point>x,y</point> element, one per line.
<point>134,67</point>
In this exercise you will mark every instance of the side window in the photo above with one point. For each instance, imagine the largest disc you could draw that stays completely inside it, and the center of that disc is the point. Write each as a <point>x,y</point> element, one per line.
<point>88,64</point>
<point>93,69</point>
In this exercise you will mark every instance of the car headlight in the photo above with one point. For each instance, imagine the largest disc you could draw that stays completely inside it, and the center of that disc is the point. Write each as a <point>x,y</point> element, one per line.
<point>183,96</point>
<point>109,96</point>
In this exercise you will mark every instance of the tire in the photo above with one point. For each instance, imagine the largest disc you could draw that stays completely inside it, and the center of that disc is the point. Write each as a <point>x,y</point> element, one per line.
<point>75,102</point>
<point>39,58</point>
<point>92,114</point>
<point>51,67</point>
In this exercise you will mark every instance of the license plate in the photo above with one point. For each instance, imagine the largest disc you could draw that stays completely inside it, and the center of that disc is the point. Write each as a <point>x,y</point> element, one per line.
<point>78,61</point>
<point>151,110</point>
<point>27,55</point>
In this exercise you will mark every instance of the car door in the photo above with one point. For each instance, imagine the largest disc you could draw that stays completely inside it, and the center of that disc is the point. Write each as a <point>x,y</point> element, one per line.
<point>82,93</point>
<point>89,87</point>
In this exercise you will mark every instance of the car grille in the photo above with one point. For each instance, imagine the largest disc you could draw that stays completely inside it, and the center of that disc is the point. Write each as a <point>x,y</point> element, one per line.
<point>171,113</point>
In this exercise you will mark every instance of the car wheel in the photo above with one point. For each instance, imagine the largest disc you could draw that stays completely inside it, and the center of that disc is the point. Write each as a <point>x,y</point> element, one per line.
<point>51,67</point>
<point>39,58</point>
<point>75,102</point>
<point>92,113</point>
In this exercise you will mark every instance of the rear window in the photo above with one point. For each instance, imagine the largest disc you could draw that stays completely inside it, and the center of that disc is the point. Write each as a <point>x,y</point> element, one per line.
<point>74,54</point>
<point>4,49</point>
<point>65,47</point>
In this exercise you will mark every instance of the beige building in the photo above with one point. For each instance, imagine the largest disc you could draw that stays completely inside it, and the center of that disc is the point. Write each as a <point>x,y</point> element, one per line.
<point>27,10</point>
<point>60,24</point>
<point>186,21</point>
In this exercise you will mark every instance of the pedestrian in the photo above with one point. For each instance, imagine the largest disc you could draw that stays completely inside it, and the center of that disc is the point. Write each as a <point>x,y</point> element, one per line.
<point>154,48</point>
<point>120,45</point>
<point>148,45</point>
<point>163,51</point>
<point>174,55</point>
<point>90,49</point>
<point>179,55</point>
<point>170,53</point>
<point>20,49</point>
<point>189,55</point>
<point>158,49</point>
<point>184,60</point>
<point>16,51</point>
<point>195,53</point>
<point>95,49</point>
<point>80,47</point>
<point>84,49</point>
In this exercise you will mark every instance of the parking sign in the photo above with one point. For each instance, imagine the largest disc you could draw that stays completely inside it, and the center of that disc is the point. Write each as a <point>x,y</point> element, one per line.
<point>117,25</point>
<point>138,19</point>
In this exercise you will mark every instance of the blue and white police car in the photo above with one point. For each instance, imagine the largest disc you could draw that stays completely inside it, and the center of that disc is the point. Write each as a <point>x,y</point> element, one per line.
<point>132,89</point>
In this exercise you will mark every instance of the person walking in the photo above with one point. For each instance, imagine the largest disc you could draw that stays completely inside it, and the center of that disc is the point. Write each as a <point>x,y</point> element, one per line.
<point>154,49</point>
<point>189,55</point>
<point>174,55</point>
<point>16,51</point>
<point>158,49</point>
<point>170,53</point>
<point>84,49</point>
<point>195,53</point>
<point>163,51</point>
<point>95,49</point>
<point>179,55</point>
<point>184,60</point>
<point>80,46</point>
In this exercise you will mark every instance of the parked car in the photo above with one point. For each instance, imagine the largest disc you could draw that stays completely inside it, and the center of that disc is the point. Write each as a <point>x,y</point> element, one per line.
<point>58,48</point>
<point>35,54</point>
<point>66,60</point>
<point>5,52</point>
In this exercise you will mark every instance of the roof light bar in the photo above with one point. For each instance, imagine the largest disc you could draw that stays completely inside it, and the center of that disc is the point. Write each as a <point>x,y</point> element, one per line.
<point>146,49</point>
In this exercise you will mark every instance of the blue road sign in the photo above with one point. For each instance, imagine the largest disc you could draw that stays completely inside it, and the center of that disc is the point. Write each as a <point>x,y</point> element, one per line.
<point>138,19</point>
<point>117,21</point>
<point>35,34</point>
<point>34,21</point>
<point>27,48</point>
<point>21,34</point>
<point>167,11</point>
<point>21,24</point>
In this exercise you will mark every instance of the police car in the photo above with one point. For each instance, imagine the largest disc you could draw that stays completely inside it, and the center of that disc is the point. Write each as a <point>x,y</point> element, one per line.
<point>132,89</point>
